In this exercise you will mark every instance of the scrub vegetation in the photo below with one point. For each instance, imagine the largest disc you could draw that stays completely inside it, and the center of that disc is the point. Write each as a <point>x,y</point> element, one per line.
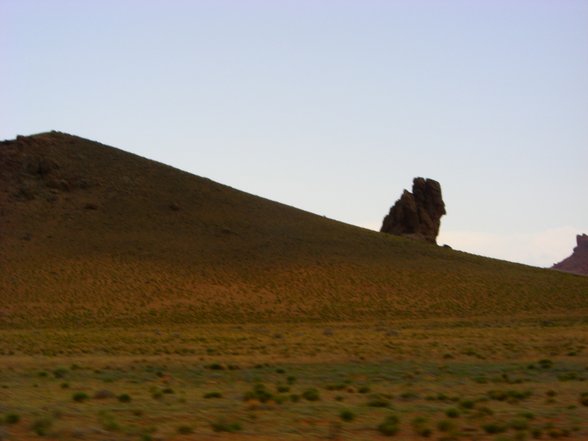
<point>138,302</point>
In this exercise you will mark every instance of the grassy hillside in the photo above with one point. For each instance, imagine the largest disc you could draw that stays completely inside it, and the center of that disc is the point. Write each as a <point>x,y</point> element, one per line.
<point>92,235</point>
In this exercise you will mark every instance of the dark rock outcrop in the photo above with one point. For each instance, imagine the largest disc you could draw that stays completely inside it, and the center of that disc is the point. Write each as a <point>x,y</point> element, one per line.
<point>417,214</point>
<point>578,262</point>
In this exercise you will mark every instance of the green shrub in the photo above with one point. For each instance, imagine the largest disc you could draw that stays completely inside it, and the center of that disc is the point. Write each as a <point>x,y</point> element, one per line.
<point>493,428</point>
<point>224,426</point>
<point>311,394</point>
<point>41,426</point>
<point>80,397</point>
<point>390,426</point>
<point>282,388</point>
<point>259,393</point>
<point>339,386</point>
<point>124,398</point>
<point>11,418</point>
<point>108,422</point>
<point>519,424</point>
<point>347,415</point>
<point>467,404</point>
<point>425,432</point>
<point>215,367</point>
<point>452,412</point>
<point>185,429</point>
<point>446,426</point>
<point>213,395</point>
<point>59,372</point>
<point>527,415</point>
<point>378,401</point>
<point>419,425</point>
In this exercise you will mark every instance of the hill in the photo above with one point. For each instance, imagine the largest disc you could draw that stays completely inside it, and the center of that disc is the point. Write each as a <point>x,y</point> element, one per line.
<point>91,235</point>
<point>577,263</point>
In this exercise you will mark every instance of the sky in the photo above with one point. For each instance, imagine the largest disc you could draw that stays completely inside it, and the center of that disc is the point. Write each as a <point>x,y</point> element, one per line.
<point>332,106</point>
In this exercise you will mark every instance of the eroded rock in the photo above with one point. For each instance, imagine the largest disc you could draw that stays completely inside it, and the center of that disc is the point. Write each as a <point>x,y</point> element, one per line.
<point>417,214</point>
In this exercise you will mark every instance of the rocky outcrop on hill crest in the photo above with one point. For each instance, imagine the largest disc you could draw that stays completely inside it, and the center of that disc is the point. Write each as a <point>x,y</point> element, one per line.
<point>417,214</point>
<point>578,262</point>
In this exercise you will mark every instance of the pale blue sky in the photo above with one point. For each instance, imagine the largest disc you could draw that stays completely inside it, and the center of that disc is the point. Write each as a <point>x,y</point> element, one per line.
<point>330,106</point>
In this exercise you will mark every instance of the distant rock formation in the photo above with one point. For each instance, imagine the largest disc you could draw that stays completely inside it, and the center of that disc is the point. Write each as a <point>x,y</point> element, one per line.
<point>578,262</point>
<point>417,214</point>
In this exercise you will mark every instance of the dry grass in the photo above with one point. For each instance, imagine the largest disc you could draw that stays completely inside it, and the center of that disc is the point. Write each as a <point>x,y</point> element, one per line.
<point>456,379</point>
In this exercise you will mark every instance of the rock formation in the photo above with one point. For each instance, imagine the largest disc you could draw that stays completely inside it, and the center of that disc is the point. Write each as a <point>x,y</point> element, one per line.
<point>417,214</point>
<point>578,262</point>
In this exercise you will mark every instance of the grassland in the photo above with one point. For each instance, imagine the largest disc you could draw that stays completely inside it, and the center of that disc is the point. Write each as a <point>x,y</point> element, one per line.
<point>441,379</point>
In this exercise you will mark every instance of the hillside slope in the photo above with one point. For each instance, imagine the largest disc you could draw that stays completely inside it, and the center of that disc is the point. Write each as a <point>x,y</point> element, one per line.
<point>92,235</point>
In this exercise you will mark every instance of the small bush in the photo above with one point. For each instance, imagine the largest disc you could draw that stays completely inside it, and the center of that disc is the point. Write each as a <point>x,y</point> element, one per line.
<point>452,412</point>
<point>108,422</point>
<point>512,396</point>
<point>347,415</point>
<point>446,426</point>
<point>185,429</point>
<point>493,428</point>
<point>224,426</point>
<point>42,426</point>
<point>425,432</point>
<point>215,367</point>
<point>213,395</point>
<point>378,401</point>
<point>11,418</point>
<point>467,404</point>
<point>59,372</point>
<point>283,389</point>
<point>419,425</point>
<point>124,398</point>
<point>390,426</point>
<point>311,394</point>
<point>259,393</point>
<point>519,424</point>
<point>335,386</point>
<point>527,415</point>
<point>103,394</point>
<point>80,397</point>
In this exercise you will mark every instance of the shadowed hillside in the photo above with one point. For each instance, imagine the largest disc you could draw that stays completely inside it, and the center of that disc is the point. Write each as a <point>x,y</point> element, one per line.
<point>90,235</point>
